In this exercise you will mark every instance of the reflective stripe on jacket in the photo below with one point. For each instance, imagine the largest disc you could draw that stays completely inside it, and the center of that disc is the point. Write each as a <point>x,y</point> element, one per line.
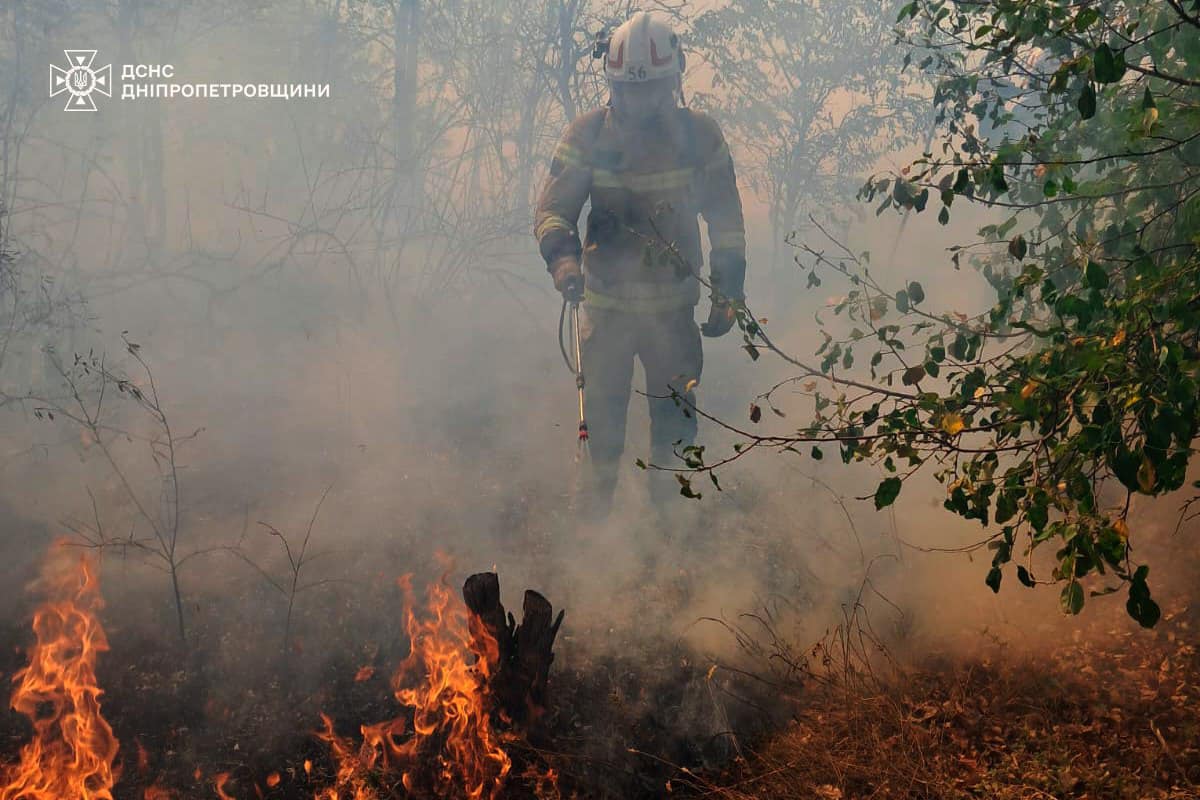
<point>641,297</point>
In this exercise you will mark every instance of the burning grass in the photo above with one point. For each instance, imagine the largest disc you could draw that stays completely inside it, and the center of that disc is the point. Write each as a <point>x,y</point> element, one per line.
<point>72,749</point>
<point>1078,721</point>
<point>447,747</point>
<point>447,742</point>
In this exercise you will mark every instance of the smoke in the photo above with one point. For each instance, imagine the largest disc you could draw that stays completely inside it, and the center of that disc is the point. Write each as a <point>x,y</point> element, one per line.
<point>389,390</point>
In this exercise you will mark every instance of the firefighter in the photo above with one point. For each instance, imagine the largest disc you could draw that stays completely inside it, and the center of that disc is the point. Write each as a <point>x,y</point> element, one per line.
<point>649,166</point>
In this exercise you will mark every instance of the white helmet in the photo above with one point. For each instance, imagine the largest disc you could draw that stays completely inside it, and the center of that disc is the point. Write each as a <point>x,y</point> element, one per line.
<point>643,49</point>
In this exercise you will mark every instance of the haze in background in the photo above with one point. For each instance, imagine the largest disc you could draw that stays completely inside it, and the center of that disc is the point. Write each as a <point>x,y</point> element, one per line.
<point>341,297</point>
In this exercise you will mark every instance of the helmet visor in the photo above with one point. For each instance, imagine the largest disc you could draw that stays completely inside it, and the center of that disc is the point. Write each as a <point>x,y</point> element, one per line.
<point>644,100</point>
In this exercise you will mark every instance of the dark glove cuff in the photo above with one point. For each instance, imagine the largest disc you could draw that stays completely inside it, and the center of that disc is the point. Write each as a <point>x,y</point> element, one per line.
<point>729,274</point>
<point>566,272</point>
<point>558,244</point>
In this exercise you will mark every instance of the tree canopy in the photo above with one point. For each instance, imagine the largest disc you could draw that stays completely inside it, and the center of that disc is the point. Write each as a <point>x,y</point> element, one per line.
<point>1079,389</point>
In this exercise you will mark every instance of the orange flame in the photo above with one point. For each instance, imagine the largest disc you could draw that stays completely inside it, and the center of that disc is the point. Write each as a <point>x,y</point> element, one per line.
<point>143,757</point>
<point>73,747</point>
<point>544,783</point>
<point>219,782</point>
<point>451,750</point>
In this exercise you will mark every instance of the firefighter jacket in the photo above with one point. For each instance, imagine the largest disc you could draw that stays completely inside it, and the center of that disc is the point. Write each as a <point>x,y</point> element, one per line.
<point>641,249</point>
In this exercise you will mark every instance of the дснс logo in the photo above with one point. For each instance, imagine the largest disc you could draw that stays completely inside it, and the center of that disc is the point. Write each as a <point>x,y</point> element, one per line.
<point>80,80</point>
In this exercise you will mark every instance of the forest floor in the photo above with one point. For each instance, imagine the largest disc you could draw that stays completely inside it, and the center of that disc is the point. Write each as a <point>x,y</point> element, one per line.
<point>1119,719</point>
<point>1101,710</point>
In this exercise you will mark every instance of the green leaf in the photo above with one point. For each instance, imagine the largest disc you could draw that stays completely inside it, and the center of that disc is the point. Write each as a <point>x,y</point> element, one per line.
<point>1071,599</point>
<point>1140,605</point>
<point>960,347</point>
<point>1125,466</point>
<point>871,415</point>
<point>1018,247</point>
<point>904,193</point>
<point>916,293</point>
<point>816,453</point>
<point>1085,19</point>
<point>1146,476</point>
<point>888,491</point>
<point>1148,98</point>
<point>685,488</point>
<point>996,178</point>
<point>1144,609</point>
<point>1006,506</point>
<point>1095,275</point>
<point>962,182</point>
<point>1087,101</point>
<point>993,579</point>
<point>1109,66</point>
<point>1025,578</point>
<point>1111,546</point>
<point>1037,513</point>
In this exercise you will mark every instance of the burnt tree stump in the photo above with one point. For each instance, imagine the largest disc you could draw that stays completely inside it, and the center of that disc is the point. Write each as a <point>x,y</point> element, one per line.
<point>518,656</point>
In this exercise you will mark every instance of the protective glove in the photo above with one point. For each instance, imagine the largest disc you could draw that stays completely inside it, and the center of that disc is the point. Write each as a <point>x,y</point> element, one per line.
<point>720,319</point>
<point>568,278</point>
<point>728,284</point>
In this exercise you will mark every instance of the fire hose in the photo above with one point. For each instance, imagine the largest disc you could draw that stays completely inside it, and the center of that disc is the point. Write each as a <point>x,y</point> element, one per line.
<point>576,368</point>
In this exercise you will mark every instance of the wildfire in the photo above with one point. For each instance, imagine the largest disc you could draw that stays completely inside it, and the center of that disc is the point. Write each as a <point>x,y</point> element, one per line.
<point>73,748</point>
<point>443,745</point>
<point>219,783</point>
<point>450,748</point>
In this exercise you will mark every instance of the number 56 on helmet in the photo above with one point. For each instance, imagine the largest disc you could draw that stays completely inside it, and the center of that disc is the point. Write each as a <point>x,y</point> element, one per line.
<point>642,49</point>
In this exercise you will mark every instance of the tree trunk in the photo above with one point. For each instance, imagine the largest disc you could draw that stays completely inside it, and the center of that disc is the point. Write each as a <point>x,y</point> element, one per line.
<point>143,147</point>
<point>405,34</point>
<point>518,657</point>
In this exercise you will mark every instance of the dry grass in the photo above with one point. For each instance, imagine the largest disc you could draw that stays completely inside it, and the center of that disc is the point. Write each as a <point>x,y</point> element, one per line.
<point>1117,720</point>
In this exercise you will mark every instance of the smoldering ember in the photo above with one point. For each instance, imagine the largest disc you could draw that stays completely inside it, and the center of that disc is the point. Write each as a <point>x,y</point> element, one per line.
<point>734,399</point>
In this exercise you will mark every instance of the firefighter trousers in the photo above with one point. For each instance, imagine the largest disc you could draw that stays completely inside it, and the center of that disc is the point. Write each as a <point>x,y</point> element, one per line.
<point>668,345</point>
